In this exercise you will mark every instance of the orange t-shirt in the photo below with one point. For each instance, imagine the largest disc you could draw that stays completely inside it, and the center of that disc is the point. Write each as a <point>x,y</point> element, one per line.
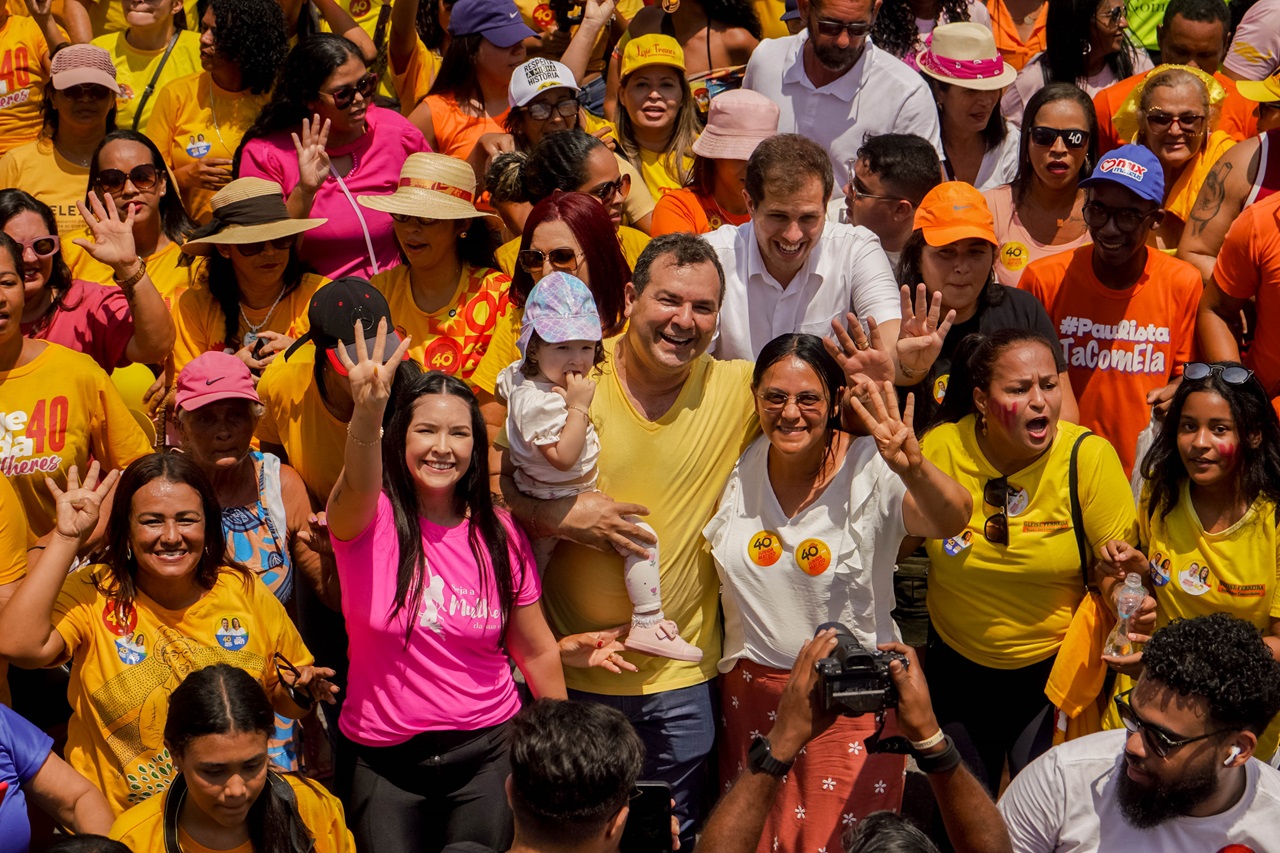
<point>456,132</point>
<point>24,69</point>
<point>1249,266</point>
<point>1015,51</point>
<point>1237,119</point>
<point>1119,345</point>
<point>686,212</point>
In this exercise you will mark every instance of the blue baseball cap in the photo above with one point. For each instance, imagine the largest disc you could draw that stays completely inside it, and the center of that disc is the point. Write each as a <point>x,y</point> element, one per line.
<point>559,308</point>
<point>1133,167</point>
<point>793,11</point>
<point>498,21</point>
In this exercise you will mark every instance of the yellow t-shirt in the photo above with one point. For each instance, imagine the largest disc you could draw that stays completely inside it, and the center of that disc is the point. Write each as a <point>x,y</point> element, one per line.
<point>13,535</point>
<point>193,119</point>
<point>698,440</point>
<point>413,82</point>
<point>660,172</point>
<point>200,327</point>
<point>502,348</point>
<point>1007,607</point>
<point>633,243</point>
<point>38,168</point>
<point>57,411</point>
<point>107,16</point>
<point>454,338</point>
<point>298,420</point>
<point>24,70</point>
<point>126,662</point>
<point>135,68</point>
<point>169,278</point>
<point>141,828</point>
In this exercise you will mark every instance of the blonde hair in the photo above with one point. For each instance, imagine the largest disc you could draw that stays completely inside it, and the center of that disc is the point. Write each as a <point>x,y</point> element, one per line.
<point>684,131</point>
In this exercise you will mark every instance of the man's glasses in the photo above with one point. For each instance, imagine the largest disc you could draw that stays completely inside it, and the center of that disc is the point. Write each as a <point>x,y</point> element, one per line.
<point>1197,370</point>
<point>606,192</point>
<point>363,87</point>
<point>1161,120</point>
<point>996,493</point>
<point>402,218</point>
<point>144,177</point>
<point>42,246</point>
<point>1126,218</point>
<point>833,29</point>
<point>563,259</point>
<point>86,92</point>
<point>542,112</point>
<point>775,402</point>
<point>280,244</point>
<point>1071,137</point>
<point>1161,744</point>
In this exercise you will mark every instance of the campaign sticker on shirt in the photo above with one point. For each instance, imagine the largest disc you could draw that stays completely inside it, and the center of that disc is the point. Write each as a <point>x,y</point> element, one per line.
<point>197,147</point>
<point>543,16</point>
<point>1194,579</point>
<point>1014,255</point>
<point>1160,566</point>
<point>231,635</point>
<point>443,354</point>
<point>132,650</point>
<point>1017,503</point>
<point>953,546</point>
<point>940,388</point>
<point>813,556</point>
<point>119,620</point>
<point>360,8</point>
<point>765,548</point>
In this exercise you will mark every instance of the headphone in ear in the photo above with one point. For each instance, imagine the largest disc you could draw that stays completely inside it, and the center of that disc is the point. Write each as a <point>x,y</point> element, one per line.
<point>1235,753</point>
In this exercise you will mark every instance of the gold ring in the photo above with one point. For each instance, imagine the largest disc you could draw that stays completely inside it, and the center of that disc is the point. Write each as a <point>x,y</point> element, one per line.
<point>860,346</point>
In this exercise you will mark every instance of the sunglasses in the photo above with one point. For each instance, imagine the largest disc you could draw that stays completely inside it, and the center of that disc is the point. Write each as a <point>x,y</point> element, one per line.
<point>996,493</point>
<point>542,112</point>
<point>606,192</point>
<point>300,697</point>
<point>1161,120</point>
<point>144,177</point>
<point>280,244</point>
<point>1071,137</point>
<point>1127,219</point>
<point>42,246</point>
<point>86,92</point>
<point>1161,744</point>
<point>363,87</point>
<point>402,218</point>
<point>563,259</point>
<point>833,29</point>
<point>1112,16</point>
<point>1197,370</point>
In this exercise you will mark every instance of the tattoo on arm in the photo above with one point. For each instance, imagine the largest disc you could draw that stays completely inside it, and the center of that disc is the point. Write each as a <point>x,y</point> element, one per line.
<point>1212,194</point>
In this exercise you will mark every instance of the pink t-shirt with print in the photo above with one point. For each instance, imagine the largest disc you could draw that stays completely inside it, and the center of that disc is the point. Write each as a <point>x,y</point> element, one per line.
<point>453,676</point>
<point>93,319</point>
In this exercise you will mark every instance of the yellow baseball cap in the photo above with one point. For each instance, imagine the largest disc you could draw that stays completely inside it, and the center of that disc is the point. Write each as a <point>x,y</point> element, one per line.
<point>1266,91</point>
<point>653,49</point>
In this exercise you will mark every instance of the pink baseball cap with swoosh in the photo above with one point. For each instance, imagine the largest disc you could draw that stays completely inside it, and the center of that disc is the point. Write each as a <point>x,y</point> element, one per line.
<point>214,376</point>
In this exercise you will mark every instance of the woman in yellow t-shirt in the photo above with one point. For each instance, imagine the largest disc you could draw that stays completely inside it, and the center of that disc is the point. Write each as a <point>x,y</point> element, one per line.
<point>163,605</point>
<point>252,290</point>
<point>657,116</point>
<point>152,52</point>
<point>1002,593</point>
<point>24,57</point>
<point>446,294</point>
<point>220,716</point>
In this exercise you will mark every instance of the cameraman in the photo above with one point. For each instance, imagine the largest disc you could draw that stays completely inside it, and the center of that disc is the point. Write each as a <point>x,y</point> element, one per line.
<point>972,821</point>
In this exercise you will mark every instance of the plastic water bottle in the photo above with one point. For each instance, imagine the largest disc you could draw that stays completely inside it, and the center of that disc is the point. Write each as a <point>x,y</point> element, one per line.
<point>1128,600</point>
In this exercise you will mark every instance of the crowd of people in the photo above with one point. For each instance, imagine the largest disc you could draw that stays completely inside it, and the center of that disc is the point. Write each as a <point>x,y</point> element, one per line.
<point>734,425</point>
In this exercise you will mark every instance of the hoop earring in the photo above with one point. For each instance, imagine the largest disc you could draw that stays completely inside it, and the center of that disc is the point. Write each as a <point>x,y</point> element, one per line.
<point>128,551</point>
<point>462,236</point>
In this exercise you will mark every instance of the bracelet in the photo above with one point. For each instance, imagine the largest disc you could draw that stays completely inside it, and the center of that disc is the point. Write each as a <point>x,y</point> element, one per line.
<point>585,413</point>
<point>912,374</point>
<point>126,283</point>
<point>360,442</point>
<point>941,762</point>
<point>933,740</point>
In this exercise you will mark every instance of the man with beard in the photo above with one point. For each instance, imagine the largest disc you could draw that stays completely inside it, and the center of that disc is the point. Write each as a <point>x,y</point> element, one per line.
<point>1182,776</point>
<point>834,86</point>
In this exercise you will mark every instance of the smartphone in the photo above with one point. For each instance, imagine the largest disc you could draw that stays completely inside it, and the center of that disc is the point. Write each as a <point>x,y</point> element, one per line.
<point>648,828</point>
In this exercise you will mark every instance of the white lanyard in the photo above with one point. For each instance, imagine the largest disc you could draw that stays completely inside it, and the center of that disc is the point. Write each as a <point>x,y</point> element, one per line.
<point>368,241</point>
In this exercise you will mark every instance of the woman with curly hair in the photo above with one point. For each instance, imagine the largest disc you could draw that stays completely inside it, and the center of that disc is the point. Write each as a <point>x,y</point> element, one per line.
<point>901,26</point>
<point>198,120</point>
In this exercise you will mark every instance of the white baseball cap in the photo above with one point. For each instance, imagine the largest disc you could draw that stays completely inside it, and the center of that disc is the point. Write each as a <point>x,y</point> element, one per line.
<point>535,76</point>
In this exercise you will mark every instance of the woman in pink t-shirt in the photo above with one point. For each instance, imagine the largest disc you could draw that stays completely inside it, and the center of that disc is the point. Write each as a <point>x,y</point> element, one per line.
<point>322,139</point>
<point>438,586</point>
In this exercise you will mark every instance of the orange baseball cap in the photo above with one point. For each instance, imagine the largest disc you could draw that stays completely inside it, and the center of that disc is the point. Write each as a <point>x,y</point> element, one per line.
<point>955,211</point>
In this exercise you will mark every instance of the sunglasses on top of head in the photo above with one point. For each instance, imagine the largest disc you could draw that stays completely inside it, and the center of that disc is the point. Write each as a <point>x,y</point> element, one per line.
<point>345,95</point>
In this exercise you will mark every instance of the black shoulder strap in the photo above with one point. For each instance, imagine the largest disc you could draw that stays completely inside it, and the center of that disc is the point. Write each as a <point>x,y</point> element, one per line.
<point>280,789</point>
<point>1077,514</point>
<point>151,87</point>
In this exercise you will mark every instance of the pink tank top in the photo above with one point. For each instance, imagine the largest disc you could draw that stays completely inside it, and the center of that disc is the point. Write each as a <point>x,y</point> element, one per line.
<point>1017,247</point>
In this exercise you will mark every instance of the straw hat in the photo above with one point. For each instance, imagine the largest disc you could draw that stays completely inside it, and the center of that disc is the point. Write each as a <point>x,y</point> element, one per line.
<point>247,210</point>
<point>435,186</point>
<point>964,54</point>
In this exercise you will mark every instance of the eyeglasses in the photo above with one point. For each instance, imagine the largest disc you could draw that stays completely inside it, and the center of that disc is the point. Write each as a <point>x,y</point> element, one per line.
<point>363,87</point>
<point>606,192</point>
<point>300,697</point>
<point>563,259</point>
<point>402,218</point>
<point>144,177</point>
<point>833,29</point>
<point>86,92</point>
<point>775,402</point>
<point>280,244</point>
<point>542,112</point>
<point>1161,744</point>
<point>1273,105</point>
<point>996,493</point>
<point>1126,218</point>
<point>1161,120</point>
<point>1112,16</point>
<point>1071,137</point>
<point>1197,370</point>
<point>42,246</point>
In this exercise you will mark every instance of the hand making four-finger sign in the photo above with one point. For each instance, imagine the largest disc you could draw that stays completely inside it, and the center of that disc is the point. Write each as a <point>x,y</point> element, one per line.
<point>921,334</point>
<point>894,435</point>
<point>370,374</point>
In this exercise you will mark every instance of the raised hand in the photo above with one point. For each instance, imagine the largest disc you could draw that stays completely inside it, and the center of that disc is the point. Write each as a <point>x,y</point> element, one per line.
<point>597,648</point>
<point>112,243</point>
<point>371,375</point>
<point>313,159</point>
<point>40,8</point>
<point>894,435</point>
<point>920,336</point>
<point>860,353</point>
<point>598,10</point>
<point>78,507</point>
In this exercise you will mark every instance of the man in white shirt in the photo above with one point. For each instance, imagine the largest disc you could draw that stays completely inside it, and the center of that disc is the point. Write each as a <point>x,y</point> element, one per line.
<point>834,86</point>
<point>1182,776</point>
<point>789,269</point>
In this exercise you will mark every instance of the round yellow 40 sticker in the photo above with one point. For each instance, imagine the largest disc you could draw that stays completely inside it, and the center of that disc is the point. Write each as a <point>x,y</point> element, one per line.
<point>765,548</point>
<point>813,556</point>
<point>1014,255</point>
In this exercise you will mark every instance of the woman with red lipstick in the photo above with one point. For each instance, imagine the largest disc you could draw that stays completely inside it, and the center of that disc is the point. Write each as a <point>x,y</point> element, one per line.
<point>657,117</point>
<point>252,290</point>
<point>1001,601</point>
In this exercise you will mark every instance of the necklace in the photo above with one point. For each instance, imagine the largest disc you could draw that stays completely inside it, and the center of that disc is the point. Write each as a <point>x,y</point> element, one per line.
<point>83,164</point>
<point>213,114</point>
<point>251,336</point>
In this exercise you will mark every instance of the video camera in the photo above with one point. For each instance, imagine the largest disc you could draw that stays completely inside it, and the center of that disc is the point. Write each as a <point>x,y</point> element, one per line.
<point>854,680</point>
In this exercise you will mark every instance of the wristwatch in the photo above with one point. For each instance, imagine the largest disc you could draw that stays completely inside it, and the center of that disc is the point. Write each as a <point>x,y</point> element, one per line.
<point>760,757</point>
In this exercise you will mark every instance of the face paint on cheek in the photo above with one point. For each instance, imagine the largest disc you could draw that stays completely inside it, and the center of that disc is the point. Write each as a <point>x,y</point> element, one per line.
<point>1227,453</point>
<point>1008,414</point>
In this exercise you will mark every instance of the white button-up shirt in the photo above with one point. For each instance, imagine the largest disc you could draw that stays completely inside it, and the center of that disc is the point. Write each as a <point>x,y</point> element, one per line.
<point>879,94</point>
<point>847,270</point>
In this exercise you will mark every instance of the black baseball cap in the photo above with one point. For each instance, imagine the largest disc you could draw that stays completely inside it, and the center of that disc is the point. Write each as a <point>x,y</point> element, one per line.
<point>335,309</point>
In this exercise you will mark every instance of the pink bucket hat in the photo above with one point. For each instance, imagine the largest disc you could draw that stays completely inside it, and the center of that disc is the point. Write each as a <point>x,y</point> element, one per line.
<point>211,377</point>
<point>739,120</point>
<point>83,63</point>
<point>964,54</point>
